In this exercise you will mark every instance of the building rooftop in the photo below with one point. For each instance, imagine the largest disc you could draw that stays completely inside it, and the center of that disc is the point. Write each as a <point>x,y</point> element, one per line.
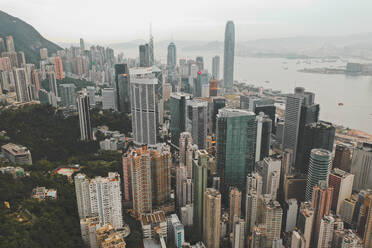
<point>229,112</point>
<point>155,217</point>
<point>15,150</point>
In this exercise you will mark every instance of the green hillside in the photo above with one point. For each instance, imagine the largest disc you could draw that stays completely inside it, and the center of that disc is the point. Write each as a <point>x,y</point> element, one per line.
<point>26,38</point>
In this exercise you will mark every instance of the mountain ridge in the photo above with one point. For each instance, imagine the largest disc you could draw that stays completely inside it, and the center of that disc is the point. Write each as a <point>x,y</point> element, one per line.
<point>26,38</point>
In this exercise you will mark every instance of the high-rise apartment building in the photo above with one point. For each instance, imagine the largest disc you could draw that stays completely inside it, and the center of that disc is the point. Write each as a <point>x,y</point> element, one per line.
<point>21,59</point>
<point>211,218</point>
<point>326,231</point>
<point>235,205</point>
<point>196,121</point>
<point>305,222</point>
<point>67,94</point>
<point>216,67</point>
<point>138,180</point>
<point>144,109</point>
<point>178,115</point>
<point>347,210</point>
<point>269,170</point>
<point>321,203</point>
<point>9,43</point>
<point>43,53</point>
<point>238,233</point>
<point>361,166</point>
<point>290,214</point>
<point>21,87</point>
<point>176,230</point>
<point>58,68</point>
<point>200,171</point>
<point>161,163</point>
<point>342,183</point>
<point>228,57</point>
<point>82,44</point>
<point>53,83</point>
<point>83,107</point>
<point>92,95</point>
<point>100,196</point>
<point>319,169</point>
<point>272,219</point>
<point>186,152</point>
<point>236,143</point>
<point>213,87</point>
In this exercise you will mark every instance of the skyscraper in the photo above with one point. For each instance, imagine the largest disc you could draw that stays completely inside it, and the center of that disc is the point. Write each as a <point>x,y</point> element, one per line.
<point>269,170</point>
<point>43,53</point>
<point>321,203</point>
<point>82,44</point>
<point>236,143</point>
<point>137,176</point>
<point>264,126</point>
<point>92,95</point>
<point>144,110</point>
<point>186,152</point>
<point>21,86</point>
<point>368,230</point>
<point>108,99</point>
<point>83,107</point>
<point>53,83</point>
<point>100,196</point>
<point>305,222</point>
<point>326,231</point>
<point>316,135</point>
<point>122,86</point>
<point>341,182</point>
<point>211,218</point>
<point>213,87</point>
<point>239,233</point>
<point>217,104</point>
<point>361,166</point>
<point>235,203</point>
<point>172,56</point>
<point>178,114</point>
<point>196,121</point>
<point>291,123</point>
<point>319,169</point>
<point>216,67</point>
<point>200,172</point>
<point>342,159</point>
<point>200,63</point>
<point>67,93</point>
<point>272,219</point>
<point>143,56</point>
<point>58,68</point>
<point>161,163</point>
<point>228,57</point>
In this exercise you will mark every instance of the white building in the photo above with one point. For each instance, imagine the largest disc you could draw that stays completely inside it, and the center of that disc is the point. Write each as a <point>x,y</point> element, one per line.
<point>17,154</point>
<point>187,215</point>
<point>176,230</point>
<point>100,196</point>
<point>108,99</point>
<point>291,215</point>
<point>238,232</point>
<point>269,170</point>
<point>326,231</point>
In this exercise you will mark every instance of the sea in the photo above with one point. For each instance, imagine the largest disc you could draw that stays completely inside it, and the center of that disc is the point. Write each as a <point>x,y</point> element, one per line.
<point>344,100</point>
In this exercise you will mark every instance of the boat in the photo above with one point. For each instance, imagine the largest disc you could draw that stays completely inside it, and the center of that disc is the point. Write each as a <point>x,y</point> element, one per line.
<point>340,104</point>
<point>267,81</point>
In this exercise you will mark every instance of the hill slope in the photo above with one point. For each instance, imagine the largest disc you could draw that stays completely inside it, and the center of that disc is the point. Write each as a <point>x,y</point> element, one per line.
<point>26,37</point>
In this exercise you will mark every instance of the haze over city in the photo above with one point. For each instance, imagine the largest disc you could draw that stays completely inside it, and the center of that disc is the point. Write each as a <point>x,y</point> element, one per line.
<point>117,21</point>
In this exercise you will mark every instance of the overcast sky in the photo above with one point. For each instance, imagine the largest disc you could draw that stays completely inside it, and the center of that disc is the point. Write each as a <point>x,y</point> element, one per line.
<point>126,20</point>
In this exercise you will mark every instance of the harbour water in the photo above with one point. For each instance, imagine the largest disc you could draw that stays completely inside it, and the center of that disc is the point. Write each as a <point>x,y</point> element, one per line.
<point>355,92</point>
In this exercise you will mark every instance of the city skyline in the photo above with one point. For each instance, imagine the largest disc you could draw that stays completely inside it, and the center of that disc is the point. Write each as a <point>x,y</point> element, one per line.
<point>253,19</point>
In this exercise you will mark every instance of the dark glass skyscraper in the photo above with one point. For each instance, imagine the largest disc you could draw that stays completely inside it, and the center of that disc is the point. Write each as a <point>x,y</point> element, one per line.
<point>228,58</point>
<point>122,87</point>
<point>172,56</point>
<point>316,135</point>
<point>178,115</point>
<point>236,143</point>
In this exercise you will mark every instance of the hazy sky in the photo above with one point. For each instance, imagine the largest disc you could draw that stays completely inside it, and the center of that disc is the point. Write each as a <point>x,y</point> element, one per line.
<point>125,20</point>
